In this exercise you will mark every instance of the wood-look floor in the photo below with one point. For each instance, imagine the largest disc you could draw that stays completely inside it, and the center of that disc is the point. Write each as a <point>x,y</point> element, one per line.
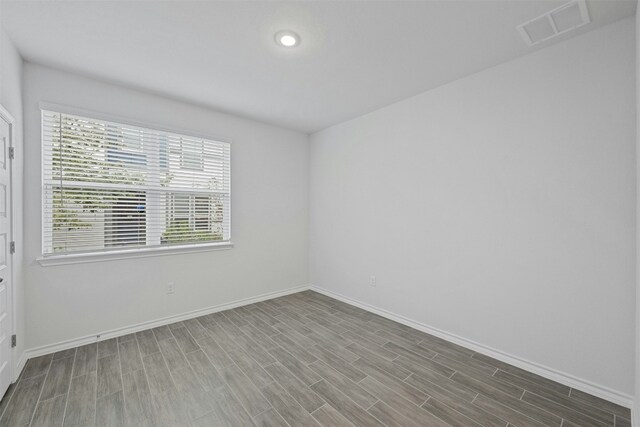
<point>300,360</point>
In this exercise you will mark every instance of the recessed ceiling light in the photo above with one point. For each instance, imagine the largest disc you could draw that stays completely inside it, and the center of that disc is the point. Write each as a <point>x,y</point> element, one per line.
<point>287,38</point>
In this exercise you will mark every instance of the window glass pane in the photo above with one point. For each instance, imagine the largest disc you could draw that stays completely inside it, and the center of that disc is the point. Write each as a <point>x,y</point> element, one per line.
<point>86,218</point>
<point>191,154</point>
<point>189,218</point>
<point>202,213</point>
<point>126,222</point>
<point>89,151</point>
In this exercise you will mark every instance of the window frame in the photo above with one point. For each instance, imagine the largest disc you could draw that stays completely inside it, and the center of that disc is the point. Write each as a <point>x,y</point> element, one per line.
<point>125,253</point>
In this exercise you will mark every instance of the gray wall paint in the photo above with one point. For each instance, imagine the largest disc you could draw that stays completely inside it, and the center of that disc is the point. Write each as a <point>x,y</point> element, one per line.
<point>269,220</point>
<point>500,207</point>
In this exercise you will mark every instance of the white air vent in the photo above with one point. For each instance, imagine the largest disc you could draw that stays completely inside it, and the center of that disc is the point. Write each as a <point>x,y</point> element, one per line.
<point>556,22</point>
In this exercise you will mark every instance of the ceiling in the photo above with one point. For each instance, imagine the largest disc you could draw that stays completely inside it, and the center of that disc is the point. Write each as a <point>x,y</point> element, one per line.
<point>355,56</point>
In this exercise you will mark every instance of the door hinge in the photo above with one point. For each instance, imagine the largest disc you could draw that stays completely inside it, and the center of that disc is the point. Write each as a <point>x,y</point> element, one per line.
<point>12,247</point>
<point>12,153</point>
<point>13,341</point>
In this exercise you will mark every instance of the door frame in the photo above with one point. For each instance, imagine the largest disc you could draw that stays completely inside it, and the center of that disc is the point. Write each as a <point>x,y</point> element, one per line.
<point>5,115</point>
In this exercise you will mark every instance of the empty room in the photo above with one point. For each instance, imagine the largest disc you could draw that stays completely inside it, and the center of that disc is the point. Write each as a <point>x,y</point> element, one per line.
<point>319,213</point>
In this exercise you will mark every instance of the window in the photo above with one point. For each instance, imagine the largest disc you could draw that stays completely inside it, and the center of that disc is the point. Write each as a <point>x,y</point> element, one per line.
<point>111,186</point>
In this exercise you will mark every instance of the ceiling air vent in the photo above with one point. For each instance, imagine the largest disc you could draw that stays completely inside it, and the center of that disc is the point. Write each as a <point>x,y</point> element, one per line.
<point>556,22</point>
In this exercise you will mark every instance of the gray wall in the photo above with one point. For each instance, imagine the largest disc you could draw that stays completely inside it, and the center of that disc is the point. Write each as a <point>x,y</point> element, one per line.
<point>269,221</point>
<point>499,208</point>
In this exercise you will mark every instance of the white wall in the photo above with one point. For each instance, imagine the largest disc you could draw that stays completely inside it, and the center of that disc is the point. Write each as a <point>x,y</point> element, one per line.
<point>11,99</point>
<point>269,220</point>
<point>500,207</point>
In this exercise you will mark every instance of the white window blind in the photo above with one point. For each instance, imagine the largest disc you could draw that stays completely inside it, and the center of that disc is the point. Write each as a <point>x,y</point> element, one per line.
<point>111,186</point>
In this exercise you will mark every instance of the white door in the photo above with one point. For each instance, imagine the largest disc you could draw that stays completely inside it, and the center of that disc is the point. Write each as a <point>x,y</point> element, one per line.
<point>6,297</point>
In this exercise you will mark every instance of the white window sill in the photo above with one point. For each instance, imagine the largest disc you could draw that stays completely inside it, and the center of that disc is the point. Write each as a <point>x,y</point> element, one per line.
<point>52,260</point>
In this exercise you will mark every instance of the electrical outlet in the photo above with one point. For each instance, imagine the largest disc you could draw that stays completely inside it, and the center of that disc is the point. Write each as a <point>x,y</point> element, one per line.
<point>372,281</point>
<point>171,288</point>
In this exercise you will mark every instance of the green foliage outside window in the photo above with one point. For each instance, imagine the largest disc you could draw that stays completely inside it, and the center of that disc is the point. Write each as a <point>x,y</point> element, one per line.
<point>180,232</point>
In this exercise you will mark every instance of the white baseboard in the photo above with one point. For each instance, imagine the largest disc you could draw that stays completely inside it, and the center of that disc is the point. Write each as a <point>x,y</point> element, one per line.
<point>101,336</point>
<point>552,374</point>
<point>544,371</point>
<point>22,360</point>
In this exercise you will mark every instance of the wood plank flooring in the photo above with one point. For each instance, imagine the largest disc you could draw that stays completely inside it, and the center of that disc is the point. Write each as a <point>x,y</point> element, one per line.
<point>300,360</point>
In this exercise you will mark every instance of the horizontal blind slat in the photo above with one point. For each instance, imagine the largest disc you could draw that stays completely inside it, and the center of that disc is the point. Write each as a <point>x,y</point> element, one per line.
<point>109,185</point>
